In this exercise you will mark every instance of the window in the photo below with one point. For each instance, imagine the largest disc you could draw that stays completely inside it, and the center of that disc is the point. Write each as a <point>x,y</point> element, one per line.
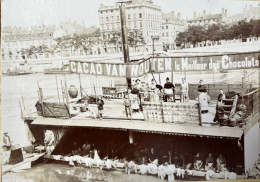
<point>141,24</point>
<point>167,34</point>
<point>117,18</point>
<point>107,18</point>
<point>162,27</point>
<point>166,26</point>
<point>135,24</point>
<point>111,11</point>
<point>129,16</point>
<point>112,18</point>
<point>163,34</point>
<point>140,15</point>
<point>134,16</point>
<point>107,26</point>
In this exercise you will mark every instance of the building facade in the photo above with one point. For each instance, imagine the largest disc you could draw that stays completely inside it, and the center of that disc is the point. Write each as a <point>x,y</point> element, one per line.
<point>207,19</point>
<point>141,15</point>
<point>171,26</point>
<point>15,41</point>
<point>249,13</point>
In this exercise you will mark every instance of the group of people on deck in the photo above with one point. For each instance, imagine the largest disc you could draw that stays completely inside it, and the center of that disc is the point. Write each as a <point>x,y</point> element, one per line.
<point>152,92</point>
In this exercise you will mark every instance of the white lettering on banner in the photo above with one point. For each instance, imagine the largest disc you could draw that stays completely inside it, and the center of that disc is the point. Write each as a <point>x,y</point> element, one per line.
<point>147,66</point>
<point>108,68</point>
<point>85,67</point>
<point>73,67</point>
<point>99,69</point>
<point>184,63</point>
<point>177,66</point>
<point>168,64</point>
<point>238,64</point>
<point>152,64</point>
<point>134,70</point>
<point>224,59</point>
<point>92,69</point>
<point>257,63</point>
<point>160,64</point>
<point>114,71</point>
<point>141,69</point>
<point>243,61</point>
<point>122,70</point>
<point>79,68</point>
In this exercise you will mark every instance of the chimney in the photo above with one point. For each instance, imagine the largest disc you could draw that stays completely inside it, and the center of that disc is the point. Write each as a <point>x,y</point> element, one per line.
<point>172,15</point>
<point>223,11</point>
<point>179,16</point>
<point>204,13</point>
<point>194,15</point>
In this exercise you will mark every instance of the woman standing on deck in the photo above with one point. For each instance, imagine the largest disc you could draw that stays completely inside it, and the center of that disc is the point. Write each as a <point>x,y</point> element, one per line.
<point>202,97</point>
<point>100,104</point>
<point>184,91</point>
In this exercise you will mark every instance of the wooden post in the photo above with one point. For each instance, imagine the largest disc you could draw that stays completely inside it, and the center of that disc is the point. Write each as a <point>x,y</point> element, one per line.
<point>66,91</point>
<point>23,103</point>
<point>57,88</point>
<point>124,39</point>
<point>21,108</point>
<point>62,91</point>
<point>80,87</point>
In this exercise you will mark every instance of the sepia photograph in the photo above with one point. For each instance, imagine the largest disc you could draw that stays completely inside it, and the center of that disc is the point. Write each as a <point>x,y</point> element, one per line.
<point>130,90</point>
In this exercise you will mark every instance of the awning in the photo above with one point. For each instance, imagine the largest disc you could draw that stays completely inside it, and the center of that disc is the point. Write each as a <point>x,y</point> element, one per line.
<point>141,126</point>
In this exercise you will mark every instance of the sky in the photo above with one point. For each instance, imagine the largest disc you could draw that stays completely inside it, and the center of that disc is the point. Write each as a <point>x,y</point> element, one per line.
<point>25,13</point>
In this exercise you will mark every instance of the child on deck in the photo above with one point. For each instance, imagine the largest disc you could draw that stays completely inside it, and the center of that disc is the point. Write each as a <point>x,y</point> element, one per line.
<point>127,104</point>
<point>100,105</point>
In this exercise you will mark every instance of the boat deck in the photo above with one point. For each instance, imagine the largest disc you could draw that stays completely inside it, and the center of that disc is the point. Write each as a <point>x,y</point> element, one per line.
<point>114,118</point>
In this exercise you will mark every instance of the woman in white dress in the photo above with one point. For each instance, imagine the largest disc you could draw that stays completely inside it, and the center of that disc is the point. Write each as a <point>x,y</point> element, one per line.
<point>184,91</point>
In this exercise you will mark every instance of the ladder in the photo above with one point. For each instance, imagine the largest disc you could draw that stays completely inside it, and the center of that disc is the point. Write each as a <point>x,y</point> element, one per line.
<point>229,106</point>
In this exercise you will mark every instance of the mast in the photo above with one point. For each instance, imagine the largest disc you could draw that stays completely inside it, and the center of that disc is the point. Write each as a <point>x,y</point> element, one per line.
<point>124,37</point>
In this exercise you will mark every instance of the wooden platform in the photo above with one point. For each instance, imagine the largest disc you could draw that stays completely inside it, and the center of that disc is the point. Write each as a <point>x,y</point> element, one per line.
<point>7,168</point>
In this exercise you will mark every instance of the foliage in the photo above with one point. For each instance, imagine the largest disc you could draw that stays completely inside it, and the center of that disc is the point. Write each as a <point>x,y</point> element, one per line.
<point>216,32</point>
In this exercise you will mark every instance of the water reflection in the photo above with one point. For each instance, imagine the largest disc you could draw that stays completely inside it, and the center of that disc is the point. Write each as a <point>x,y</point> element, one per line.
<point>62,173</point>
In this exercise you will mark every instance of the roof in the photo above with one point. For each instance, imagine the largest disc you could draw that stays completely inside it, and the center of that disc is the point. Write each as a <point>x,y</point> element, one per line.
<point>141,126</point>
<point>208,17</point>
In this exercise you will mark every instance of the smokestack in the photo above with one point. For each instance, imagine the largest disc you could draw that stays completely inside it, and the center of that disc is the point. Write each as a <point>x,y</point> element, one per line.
<point>179,16</point>
<point>194,15</point>
<point>204,13</point>
<point>172,15</point>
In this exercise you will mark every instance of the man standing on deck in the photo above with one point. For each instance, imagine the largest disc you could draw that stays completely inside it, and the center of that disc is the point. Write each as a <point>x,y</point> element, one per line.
<point>100,104</point>
<point>168,90</point>
<point>7,144</point>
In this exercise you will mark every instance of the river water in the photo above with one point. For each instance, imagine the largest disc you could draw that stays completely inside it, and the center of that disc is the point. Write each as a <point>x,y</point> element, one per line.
<point>15,87</point>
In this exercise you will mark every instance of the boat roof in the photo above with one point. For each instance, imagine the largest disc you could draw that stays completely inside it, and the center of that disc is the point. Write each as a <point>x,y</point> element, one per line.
<point>161,128</point>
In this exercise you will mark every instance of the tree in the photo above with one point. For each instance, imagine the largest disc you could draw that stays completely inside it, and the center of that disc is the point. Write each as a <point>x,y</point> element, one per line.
<point>135,38</point>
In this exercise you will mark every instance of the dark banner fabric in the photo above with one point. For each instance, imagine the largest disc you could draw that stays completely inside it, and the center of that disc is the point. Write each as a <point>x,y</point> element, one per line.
<point>167,64</point>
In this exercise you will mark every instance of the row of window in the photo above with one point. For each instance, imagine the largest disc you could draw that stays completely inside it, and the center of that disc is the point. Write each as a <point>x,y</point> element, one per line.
<point>132,16</point>
<point>114,26</point>
<point>111,11</point>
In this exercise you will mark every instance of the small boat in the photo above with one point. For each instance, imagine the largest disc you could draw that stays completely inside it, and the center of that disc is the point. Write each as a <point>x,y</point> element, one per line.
<point>63,70</point>
<point>17,72</point>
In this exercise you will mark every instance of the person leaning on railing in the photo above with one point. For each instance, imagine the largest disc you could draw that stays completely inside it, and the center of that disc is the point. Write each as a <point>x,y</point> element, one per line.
<point>168,91</point>
<point>202,97</point>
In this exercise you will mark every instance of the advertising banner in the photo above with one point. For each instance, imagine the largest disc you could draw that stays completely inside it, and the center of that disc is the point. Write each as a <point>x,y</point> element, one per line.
<point>168,64</point>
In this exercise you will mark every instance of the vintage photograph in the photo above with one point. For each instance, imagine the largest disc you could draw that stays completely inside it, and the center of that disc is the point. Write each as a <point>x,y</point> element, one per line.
<point>130,90</point>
